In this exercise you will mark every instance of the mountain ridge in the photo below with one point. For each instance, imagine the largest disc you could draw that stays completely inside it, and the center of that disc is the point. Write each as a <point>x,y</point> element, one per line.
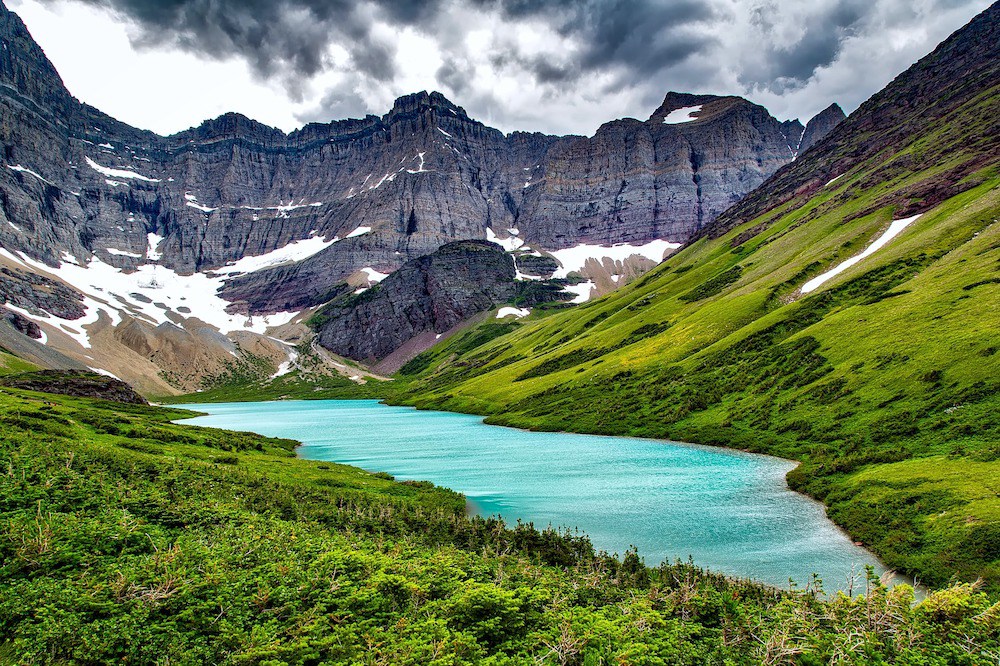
<point>272,225</point>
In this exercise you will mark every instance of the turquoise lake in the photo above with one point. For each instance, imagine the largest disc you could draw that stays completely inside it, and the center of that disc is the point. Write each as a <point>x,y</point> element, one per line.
<point>731,511</point>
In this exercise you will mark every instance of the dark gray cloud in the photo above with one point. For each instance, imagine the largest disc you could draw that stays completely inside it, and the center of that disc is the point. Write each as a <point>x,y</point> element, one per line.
<point>630,50</point>
<point>289,39</point>
<point>782,66</point>
<point>285,39</point>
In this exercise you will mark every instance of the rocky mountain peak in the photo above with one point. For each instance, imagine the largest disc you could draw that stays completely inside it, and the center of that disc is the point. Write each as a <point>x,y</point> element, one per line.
<point>820,125</point>
<point>228,126</point>
<point>418,103</point>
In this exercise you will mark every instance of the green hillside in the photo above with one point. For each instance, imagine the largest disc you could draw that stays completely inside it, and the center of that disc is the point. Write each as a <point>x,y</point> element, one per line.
<point>126,539</point>
<point>884,381</point>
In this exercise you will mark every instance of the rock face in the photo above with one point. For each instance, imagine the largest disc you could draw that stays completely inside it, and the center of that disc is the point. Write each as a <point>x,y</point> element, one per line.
<point>663,178</point>
<point>820,125</point>
<point>429,294</point>
<point>76,383</point>
<point>424,174</point>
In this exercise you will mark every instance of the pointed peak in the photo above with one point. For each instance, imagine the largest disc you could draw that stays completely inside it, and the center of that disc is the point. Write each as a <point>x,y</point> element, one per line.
<point>25,67</point>
<point>820,125</point>
<point>832,112</point>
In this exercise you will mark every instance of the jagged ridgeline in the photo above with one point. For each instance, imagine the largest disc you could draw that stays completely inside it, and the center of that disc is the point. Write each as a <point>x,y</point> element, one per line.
<point>211,242</point>
<point>844,314</point>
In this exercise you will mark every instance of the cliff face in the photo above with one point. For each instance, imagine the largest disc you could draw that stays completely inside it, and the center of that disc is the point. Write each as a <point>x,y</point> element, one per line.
<point>663,178</point>
<point>239,226</point>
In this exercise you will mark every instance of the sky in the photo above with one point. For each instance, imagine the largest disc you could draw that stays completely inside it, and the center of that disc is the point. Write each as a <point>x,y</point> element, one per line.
<point>555,66</point>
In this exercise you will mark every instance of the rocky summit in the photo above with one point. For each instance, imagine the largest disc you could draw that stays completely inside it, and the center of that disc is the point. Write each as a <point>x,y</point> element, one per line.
<point>234,226</point>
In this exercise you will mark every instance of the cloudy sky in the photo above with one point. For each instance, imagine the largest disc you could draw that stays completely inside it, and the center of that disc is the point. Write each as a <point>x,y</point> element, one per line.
<point>558,66</point>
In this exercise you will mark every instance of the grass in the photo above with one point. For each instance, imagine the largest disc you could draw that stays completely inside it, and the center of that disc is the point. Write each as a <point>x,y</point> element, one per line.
<point>12,365</point>
<point>127,538</point>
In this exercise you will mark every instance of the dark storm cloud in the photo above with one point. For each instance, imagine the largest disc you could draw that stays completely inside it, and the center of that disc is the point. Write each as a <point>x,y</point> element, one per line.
<point>787,66</point>
<point>290,38</point>
<point>639,47</point>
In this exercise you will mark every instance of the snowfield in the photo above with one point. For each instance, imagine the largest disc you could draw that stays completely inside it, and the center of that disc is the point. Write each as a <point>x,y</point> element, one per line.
<point>574,258</point>
<point>682,115</point>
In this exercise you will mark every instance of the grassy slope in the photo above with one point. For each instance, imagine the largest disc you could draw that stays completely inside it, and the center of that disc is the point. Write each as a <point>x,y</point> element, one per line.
<point>885,382</point>
<point>127,539</point>
<point>10,365</point>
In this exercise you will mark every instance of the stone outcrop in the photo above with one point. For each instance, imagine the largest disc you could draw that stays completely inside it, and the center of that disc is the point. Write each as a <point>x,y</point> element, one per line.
<point>76,383</point>
<point>429,294</point>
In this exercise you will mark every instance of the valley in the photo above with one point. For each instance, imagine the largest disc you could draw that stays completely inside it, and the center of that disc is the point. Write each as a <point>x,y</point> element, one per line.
<point>746,370</point>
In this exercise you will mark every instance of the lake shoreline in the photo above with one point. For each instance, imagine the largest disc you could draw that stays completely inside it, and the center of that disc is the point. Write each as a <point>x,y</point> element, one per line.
<point>476,505</point>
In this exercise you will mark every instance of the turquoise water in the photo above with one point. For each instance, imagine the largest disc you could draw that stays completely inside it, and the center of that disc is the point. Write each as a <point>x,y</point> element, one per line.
<point>731,511</point>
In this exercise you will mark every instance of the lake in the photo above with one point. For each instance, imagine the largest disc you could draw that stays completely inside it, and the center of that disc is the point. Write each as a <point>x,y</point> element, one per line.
<point>731,511</point>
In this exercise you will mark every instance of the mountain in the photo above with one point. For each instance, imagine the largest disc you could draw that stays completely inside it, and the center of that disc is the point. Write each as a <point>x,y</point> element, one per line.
<point>428,295</point>
<point>820,125</point>
<point>844,314</point>
<point>209,239</point>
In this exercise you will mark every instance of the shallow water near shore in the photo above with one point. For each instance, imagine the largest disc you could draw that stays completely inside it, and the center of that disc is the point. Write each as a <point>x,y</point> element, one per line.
<point>731,511</point>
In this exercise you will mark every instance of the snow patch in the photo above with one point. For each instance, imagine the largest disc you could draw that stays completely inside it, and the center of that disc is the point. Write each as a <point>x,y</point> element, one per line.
<point>374,275</point>
<point>122,253</point>
<point>294,251</point>
<point>22,169</point>
<point>286,366</point>
<point>509,244</point>
<point>834,180</point>
<point>419,169</point>
<point>582,291</point>
<point>118,173</point>
<point>513,312</point>
<point>682,115</point>
<point>574,258</point>
<point>360,231</point>
<point>445,133</point>
<point>101,371</point>
<point>890,233</point>
<point>153,241</point>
